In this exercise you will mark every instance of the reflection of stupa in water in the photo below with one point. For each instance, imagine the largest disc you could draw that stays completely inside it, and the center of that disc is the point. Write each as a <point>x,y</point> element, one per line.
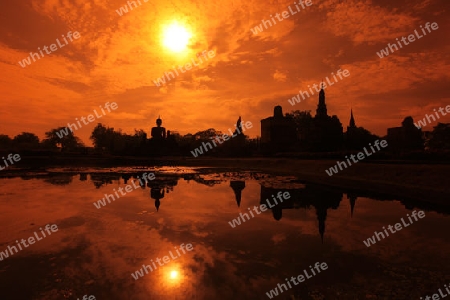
<point>321,213</point>
<point>100,179</point>
<point>126,177</point>
<point>59,179</point>
<point>319,197</point>
<point>352,197</point>
<point>237,186</point>
<point>159,187</point>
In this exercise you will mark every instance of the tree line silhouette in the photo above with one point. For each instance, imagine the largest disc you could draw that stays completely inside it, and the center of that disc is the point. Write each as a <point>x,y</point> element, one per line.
<point>106,140</point>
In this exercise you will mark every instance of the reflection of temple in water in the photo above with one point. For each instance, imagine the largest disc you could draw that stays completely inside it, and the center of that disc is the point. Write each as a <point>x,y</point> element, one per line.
<point>352,197</point>
<point>126,177</point>
<point>157,193</point>
<point>319,197</point>
<point>199,178</point>
<point>100,179</point>
<point>209,182</point>
<point>237,186</point>
<point>59,179</point>
<point>159,187</point>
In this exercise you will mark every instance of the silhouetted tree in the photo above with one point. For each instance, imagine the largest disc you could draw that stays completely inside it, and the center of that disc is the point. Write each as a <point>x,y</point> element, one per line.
<point>185,143</point>
<point>26,141</point>
<point>207,134</point>
<point>102,137</point>
<point>5,141</point>
<point>440,137</point>
<point>116,142</point>
<point>140,134</point>
<point>358,138</point>
<point>68,142</point>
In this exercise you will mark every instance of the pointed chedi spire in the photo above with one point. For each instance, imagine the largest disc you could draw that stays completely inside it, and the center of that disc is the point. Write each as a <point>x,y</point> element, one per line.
<point>352,120</point>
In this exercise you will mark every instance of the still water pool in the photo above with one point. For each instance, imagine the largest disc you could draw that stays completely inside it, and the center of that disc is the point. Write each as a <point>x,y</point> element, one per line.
<point>96,250</point>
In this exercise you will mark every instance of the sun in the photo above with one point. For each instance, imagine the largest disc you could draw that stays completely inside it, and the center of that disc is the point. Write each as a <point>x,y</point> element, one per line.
<point>176,37</point>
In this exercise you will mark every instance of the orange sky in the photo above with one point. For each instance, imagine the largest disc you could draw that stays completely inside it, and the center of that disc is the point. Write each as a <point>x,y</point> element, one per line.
<point>118,57</point>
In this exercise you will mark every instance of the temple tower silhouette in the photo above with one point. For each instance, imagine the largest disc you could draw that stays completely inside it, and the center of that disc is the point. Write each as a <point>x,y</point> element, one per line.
<point>321,111</point>
<point>352,120</point>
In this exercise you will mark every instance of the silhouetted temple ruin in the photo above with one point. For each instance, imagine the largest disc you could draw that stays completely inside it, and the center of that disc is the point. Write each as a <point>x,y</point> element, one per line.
<point>280,133</point>
<point>277,132</point>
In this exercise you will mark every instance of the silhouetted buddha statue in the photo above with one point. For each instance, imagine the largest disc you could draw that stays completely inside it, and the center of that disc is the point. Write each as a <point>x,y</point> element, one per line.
<point>158,133</point>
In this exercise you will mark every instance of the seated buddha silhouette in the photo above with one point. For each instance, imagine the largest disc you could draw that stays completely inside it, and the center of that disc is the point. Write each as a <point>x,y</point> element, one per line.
<point>158,133</point>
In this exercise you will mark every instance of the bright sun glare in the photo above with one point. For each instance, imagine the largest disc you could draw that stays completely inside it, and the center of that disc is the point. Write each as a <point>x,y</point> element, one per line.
<point>173,274</point>
<point>176,37</point>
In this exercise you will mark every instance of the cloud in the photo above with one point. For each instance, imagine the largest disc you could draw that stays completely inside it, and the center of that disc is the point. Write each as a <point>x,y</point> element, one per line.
<point>365,22</point>
<point>279,76</point>
<point>117,59</point>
